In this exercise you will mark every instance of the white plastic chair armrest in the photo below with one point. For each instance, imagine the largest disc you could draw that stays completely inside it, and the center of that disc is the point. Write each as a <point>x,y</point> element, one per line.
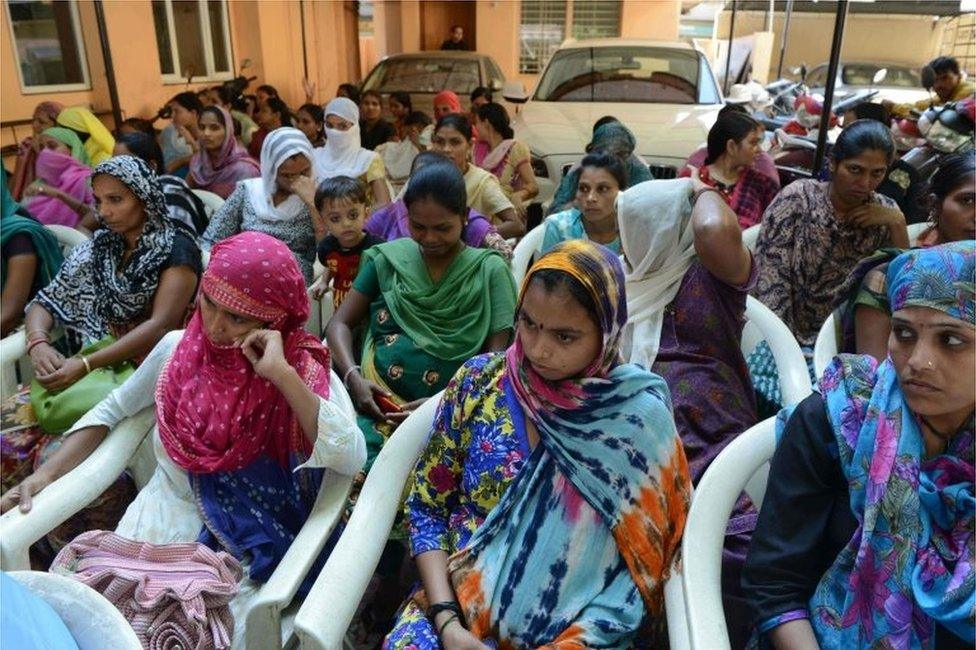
<point>263,624</point>
<point>750,236</point>
<point>263,628</point>
<point>328,609</point>
<point>794,378</point>
<point>91,619</point>
<point>701,547</point>
<point>825,347</point>
<point>525,250</point>
<point>914,230</point>
<point>67,237</point>
<point>13,347</point>
<point>73,491</point>
<point>674,608</point>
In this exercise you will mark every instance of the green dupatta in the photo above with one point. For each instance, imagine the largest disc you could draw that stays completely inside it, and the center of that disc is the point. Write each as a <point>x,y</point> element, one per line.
<point>449,320</point>
<point>45,243</point>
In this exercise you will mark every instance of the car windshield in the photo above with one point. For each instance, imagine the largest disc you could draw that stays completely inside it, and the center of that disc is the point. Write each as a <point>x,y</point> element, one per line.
<point>622,74</point>
<point>420,75</point>
<point>862,74</point>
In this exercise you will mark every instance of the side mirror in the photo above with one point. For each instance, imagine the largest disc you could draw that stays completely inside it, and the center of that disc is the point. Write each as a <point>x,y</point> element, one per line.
<point>514,91</point>
<point>496,85</point>
<point>879,76</point>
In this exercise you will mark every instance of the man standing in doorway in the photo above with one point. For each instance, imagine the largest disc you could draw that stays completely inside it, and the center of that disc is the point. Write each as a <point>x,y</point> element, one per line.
<point>456,42</point>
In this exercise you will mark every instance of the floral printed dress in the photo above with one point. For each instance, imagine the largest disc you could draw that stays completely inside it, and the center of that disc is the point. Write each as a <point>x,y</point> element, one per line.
<point>478,446</point>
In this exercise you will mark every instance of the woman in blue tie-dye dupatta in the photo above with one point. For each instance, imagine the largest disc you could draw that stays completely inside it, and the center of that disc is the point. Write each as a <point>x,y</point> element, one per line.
<point>550,501</point>
<point>876,550</point>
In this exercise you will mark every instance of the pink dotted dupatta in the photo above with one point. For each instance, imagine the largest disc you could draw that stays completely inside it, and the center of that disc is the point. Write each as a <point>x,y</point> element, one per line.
<point>214,412</point>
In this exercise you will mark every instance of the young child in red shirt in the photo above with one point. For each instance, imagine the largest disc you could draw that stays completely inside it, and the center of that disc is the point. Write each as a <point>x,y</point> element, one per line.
<point>341,202</point>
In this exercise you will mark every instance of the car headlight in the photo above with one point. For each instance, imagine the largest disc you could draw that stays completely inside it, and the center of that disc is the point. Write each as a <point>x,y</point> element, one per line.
<point>539,167</point>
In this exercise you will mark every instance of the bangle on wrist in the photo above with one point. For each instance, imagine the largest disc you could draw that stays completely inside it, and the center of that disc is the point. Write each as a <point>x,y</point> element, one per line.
<point>345,377</point>
<point>84,360</point>
<point>33,334</point>
<point>444,606</point>
<point>447,621</point>
<point>33,344</point>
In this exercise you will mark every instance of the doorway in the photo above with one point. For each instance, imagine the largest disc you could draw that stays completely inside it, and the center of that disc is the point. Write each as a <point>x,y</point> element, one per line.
<point>438,16</point>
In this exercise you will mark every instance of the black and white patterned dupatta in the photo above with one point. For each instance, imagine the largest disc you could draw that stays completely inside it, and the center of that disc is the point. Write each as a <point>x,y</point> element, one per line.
<point>94,289</point>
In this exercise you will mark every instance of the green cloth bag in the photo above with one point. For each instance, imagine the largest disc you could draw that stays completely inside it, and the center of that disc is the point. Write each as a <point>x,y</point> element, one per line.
<point>56,412</point>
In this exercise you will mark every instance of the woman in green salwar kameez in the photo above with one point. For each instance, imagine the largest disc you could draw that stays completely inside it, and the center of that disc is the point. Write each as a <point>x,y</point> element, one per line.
<point>431,302</point>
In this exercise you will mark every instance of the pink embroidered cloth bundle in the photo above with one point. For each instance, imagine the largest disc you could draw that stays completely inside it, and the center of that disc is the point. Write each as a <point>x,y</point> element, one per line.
<point>173,595</point>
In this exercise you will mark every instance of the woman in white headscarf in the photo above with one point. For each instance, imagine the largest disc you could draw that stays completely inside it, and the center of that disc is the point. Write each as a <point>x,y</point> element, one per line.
<point>688,275</point>
<point>280,203</point>
<point>344,155</point>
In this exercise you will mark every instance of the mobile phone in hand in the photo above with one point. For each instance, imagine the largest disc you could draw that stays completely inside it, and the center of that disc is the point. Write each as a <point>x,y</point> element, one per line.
<point>387,405</point>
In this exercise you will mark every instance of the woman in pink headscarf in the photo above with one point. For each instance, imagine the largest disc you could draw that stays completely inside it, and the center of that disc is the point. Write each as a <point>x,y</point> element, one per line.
<point>245,425</point>
<point>45,116</point>
<point>219,160</point>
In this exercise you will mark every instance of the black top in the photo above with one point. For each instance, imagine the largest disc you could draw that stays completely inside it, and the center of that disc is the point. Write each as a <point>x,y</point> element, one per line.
<point>22,244</point>
<point>330,244</point>
<point>185,253</point>
<point>381,132</point>
<point>449,44</point>
<point>905,185</point>
<point>805,520</point>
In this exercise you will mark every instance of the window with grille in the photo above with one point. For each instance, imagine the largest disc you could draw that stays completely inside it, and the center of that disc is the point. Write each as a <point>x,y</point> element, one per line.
<point>193,39</point>
<point>48,46</point>
<point>546,23</point>
<point>542,29</point>
<point>596,19</point>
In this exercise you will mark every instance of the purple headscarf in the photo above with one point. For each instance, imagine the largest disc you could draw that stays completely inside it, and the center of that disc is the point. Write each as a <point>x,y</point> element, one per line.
<point>233,163</point>
<point>390,222</point>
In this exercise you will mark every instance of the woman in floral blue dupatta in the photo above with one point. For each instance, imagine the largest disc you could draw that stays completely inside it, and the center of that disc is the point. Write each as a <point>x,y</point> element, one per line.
<point>876,550</point>
<point>553,493</point>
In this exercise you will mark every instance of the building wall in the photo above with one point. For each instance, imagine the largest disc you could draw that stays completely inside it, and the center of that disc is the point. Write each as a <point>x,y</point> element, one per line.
<point>912,40</point>
<point>267,33</point>
<point>657,19</point>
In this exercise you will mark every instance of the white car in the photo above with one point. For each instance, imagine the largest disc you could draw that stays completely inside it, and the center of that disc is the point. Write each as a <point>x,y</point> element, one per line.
<point>665,92</point>
<point>900,83</point>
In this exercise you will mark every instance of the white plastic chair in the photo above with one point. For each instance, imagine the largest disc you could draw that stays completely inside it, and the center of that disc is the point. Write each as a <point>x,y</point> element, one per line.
<point>320,311</point>
<point>742,466</point>
<point>750,236</point>
<point>825,347</point>
<point>525,250</point>
<point>211,202</point>
<point>93,622</point>
<point>329,607</point>
<point>914,230</point>
<point>763,324</point>
<point>68,238</point>
<point>130,447</point>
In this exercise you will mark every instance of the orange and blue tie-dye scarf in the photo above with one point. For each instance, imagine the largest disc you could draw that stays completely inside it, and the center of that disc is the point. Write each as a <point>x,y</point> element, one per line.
<point>581,542</point>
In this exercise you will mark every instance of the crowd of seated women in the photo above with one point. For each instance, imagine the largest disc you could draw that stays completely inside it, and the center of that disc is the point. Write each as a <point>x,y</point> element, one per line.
<point>577,410</point>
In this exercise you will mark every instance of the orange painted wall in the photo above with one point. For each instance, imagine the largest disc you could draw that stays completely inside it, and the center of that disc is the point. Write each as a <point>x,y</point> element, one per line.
<point>657,19</point>
<point>269,33</point>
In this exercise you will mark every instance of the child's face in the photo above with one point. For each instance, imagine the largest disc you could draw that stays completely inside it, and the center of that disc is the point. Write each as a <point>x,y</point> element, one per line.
<point>413,131</point>
<point>344,220</point>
